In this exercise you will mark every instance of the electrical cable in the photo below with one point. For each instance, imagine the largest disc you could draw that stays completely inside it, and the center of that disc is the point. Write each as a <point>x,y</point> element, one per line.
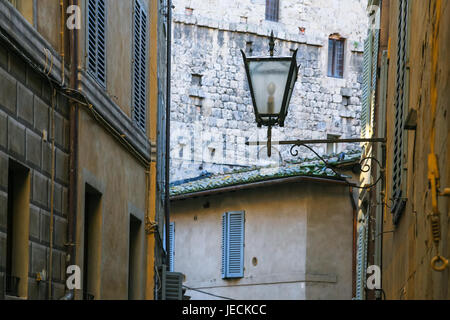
<point>207,293</point>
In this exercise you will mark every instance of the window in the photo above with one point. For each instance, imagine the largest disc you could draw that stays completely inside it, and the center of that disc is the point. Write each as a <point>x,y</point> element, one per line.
<point>140,65</point>
<point>233,245</point>
<point>171,251</point>
<point>172,246</point>
<point>92,243</point>
<point>272,8</point>
<point>18,219</point>
<point>336,57</point>
<point>96,40</point>
<point>332,148</point>
<point>401,110</point>
<point>196,80</point>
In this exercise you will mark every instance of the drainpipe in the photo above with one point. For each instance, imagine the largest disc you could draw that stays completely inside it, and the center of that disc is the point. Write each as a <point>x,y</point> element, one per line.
<point>73,173</point>
<point>167,164</point>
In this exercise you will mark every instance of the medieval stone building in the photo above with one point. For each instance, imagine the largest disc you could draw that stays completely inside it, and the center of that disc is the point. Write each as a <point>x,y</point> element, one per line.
<point>212,114</point>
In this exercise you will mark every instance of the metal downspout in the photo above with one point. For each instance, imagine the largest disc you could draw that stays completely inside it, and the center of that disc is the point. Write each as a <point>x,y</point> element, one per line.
<point>167,160</point>
<point>73,173</point>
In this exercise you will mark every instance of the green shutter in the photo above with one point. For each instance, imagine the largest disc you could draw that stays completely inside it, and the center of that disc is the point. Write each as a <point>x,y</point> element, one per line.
<point>401,101</point>
<point>172,246</point>
<point>376,41</point>
<point>366,85</point>
<point>361,262</point>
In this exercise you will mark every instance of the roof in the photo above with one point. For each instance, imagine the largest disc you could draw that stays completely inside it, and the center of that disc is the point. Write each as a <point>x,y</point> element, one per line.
<point>309,167</point>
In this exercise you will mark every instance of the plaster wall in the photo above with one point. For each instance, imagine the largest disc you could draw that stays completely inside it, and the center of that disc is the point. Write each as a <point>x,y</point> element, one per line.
<point>121,180</point>
<point>297,239</point>
<point>408,250</point>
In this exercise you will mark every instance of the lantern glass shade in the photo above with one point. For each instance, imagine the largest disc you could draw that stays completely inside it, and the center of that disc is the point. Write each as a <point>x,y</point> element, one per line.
<point>269,83</point>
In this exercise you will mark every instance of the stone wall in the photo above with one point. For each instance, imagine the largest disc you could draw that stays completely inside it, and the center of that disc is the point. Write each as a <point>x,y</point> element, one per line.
<point>212,113</point>
<point>25,113</point>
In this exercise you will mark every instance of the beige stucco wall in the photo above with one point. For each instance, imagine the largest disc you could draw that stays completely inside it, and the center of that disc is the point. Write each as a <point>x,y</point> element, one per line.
<point>302,241</point>
<point>408,248</point>
<point>122,182</point>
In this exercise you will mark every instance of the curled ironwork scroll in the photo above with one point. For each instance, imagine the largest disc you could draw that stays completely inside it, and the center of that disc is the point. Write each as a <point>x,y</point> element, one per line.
<point>365,165</point>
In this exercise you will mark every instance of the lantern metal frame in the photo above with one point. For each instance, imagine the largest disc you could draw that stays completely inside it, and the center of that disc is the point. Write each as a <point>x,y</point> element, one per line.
<point>273,119</point>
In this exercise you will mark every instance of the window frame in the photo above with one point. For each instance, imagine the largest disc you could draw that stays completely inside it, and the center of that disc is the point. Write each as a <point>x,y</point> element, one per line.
<point>272,5</point>
<point>332,70</point>
<point>226,239</point>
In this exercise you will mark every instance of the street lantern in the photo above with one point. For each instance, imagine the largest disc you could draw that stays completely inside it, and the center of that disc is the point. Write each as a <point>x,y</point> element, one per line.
<point>271,81</point>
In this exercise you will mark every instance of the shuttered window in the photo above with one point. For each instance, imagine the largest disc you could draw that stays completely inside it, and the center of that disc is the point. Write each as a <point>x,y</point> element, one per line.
<point>336,57</point>
<point>272,9</point>
<point>369,85</point>
<point>96,40</point>
<point>233,245</point>
<point>172,246</point>
<point>401,109</point>
<point>140,35</point>
<point>366,85</point>
<point>361,266</point>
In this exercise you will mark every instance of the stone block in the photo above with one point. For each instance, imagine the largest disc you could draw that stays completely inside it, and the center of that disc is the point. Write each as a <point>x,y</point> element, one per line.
<point>38,258</point>
<point>34,81</point>
<point>18,67</point>
<point>8,91</point>
<point>58,197</point>
<point>3,129</point>
<point>34,222</point>
<point>2,250</point>
<point>56,265</point>
<point>62,166</point>
<point>65,201</point>
<point>34,148</point>
<point>45,227</point>
<point>47,157</point>
<point>346,92</point>
<point>16,137</point>
<point>58,291</point>
<point>60,232</point>
<point>4,58</point>
<point>40,189</point>
<point>25,104</point>
<point>354,101</point>
<point>41,115</point>
<point>59,129</point>
<point>3,171</point>
<point>33,289</point>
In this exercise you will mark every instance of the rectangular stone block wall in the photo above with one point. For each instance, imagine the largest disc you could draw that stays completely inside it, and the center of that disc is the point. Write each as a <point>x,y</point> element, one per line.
<point>25,132</point>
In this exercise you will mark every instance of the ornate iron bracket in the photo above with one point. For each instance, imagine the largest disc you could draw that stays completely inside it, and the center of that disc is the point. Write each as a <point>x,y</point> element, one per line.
<point>365,165</point>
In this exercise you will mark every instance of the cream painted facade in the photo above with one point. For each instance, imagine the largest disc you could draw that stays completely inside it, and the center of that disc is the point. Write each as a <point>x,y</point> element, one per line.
<point>298,241</point>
